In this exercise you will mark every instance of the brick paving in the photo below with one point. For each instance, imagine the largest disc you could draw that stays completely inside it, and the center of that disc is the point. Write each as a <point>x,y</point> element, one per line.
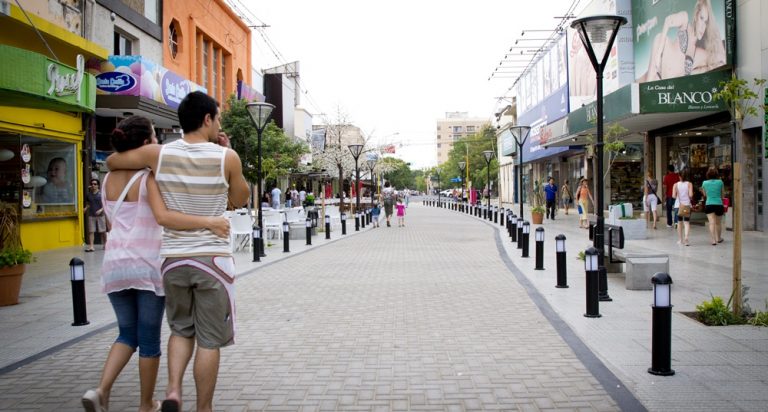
<point>426,317</point>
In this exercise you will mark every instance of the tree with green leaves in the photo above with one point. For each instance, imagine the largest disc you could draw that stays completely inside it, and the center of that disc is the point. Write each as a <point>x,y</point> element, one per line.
<point>397,172</point>
<point>742,100</point>
<point>470,150</point>
<point>280,154</point>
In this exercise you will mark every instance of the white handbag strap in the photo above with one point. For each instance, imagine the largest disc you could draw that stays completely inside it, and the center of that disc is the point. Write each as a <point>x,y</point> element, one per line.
<point>130,183</point>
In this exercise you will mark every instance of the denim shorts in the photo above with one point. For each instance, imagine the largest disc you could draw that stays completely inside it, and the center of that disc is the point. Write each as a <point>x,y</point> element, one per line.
<point>139,319</point>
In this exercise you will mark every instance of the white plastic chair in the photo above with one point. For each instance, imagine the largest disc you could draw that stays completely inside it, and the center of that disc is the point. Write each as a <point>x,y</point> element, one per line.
<point>273,223</point>
<point>294,215</point>
<point>240,224</point>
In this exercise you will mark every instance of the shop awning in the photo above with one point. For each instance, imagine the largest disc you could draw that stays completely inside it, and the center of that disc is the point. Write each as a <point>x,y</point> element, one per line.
<point>162,115</point>
<point>642,107</point>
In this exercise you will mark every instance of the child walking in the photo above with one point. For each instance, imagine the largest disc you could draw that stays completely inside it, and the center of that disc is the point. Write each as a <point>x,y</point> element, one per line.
<point>400,213</point>
<point>375,213</point>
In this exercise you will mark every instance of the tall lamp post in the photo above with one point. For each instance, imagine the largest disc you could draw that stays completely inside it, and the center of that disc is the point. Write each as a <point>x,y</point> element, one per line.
<point>597,34</point>
<point>520,133</point>
<point>259,112</point>
<point>462,166</point>
<point>356,149</point>
<point>372,165</point>
<point>488,156</point>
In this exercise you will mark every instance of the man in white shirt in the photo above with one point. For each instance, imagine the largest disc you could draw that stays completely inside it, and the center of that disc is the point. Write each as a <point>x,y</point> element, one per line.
<point>276,198</point>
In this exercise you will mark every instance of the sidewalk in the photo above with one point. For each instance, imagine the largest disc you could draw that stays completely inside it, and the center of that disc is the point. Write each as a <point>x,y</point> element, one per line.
<point>717,368</point>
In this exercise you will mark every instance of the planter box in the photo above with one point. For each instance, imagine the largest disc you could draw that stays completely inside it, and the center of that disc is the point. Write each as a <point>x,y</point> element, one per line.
<point>634,229</point>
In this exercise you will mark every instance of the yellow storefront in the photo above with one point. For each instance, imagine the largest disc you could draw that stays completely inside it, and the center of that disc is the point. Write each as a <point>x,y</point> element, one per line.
<point>45,110</point>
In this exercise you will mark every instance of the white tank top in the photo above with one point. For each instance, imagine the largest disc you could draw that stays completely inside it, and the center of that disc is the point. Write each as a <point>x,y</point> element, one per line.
<point>682,193</point>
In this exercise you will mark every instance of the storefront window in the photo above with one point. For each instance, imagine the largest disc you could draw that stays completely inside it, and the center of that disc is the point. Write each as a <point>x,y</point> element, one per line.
<point>627,176</point>
<point>41,176</point>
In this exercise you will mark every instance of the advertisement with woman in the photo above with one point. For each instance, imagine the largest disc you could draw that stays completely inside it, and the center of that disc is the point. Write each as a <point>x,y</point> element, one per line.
<point>675,38</point>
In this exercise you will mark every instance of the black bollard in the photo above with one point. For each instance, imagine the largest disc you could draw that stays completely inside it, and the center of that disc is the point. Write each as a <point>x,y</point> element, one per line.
<point>495,214</point>
<point>513,228</point>
<point>77,278</point>
<point>539,248</point>
<point>343,223</point>
<point>327,227</point>
<point>520,233</point>
<point>357,221</point>
<point>501,217</point>
<point>256,243</point>
<point>286,237</point>
<point>661,327</point>
<point>509,225</point>
<point>592,268</point>
<point>526,237</point>
<point>308,224</point>
<point>562,273</point>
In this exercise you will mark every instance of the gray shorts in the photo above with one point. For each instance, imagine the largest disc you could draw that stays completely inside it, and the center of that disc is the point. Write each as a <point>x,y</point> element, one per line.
<point>200,299</point>
<point>97,224</point>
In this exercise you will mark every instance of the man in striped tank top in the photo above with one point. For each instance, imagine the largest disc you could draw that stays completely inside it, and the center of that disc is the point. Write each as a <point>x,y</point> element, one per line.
<point>196,175</point>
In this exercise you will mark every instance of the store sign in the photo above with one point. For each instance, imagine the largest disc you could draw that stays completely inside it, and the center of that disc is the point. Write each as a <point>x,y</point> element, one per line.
<point>540,118</point>
<point>65,82</point>
<point>508,143</point>
<point>34,80</point>
<point>137,76</point>
<point>683,94</point>
<point>616,106</point>
<point>248,93</point>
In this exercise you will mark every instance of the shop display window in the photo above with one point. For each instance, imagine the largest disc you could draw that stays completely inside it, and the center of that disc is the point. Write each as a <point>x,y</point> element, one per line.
<point>698,153</point>
<point>627,176</point>
<point>40,175</point>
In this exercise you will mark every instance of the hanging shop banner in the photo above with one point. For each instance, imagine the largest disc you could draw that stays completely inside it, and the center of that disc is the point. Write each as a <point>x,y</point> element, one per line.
<point>620,67</point>
<point>248,93</point>
<point>137,76</point>
<point>683,94</point>
<point>540,118</point>
<point>675,38</point>
<point>29,79</point>
<point>508,143</point>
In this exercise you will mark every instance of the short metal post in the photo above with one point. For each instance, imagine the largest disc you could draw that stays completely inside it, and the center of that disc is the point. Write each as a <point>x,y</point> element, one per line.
<point>592,268</point>
<point>343,223</point>
<point>661,328</point>
<point>539,248</point>
<point>495,214</point>
<point>256,243</point>
<point>286,237</point>
<point>357,221</point>
<point>501,217</point>
<point>513,227</point>
<point>327,226</point>
<point>520,233</point>
<point>308,224</point>
<point>362,219</point>
<point>526,237</point>
<point>562,270</point>
<point>77,279</point>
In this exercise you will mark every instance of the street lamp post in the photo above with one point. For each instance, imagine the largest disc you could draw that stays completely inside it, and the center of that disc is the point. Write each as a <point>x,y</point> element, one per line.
<point>372,165</point>
<point>520,133</point>
<point>439,202</point>
<point>462,166</point>
<point>597,34</point>
<point>488,156</point>
<point>356,149</point>
<point>260,113</point>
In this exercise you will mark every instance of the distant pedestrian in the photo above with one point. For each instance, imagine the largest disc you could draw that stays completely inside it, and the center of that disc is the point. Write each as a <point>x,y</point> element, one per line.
<point>400,213</point>
<point>95,209</point>
<point>712,188</point>
<point>550,191</point>
<point>651,199</point>
<point>582,196</point>
<point>375,213</point>
<point>669,181</point>
<point>682,191</point>
<point>275,197</point>
<point>567,196</point>
<point>388,195</point>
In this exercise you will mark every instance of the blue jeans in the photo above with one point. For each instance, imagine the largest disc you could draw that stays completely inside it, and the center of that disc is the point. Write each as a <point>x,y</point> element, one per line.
<point>671,217</point>
<point>139,319</point>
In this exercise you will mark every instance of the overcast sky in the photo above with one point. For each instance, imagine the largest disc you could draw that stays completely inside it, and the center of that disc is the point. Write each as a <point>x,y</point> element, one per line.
<point>395,67</point>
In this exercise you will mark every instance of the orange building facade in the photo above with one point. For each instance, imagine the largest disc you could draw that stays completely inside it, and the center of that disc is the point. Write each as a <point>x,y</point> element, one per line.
<point>207,43</point>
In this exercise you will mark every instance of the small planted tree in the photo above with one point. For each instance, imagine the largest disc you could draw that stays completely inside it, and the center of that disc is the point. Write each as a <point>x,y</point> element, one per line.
<point>742,99</point>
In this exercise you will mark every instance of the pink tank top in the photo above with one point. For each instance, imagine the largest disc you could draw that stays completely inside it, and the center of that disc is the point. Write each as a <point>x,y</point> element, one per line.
<point>132,253</point>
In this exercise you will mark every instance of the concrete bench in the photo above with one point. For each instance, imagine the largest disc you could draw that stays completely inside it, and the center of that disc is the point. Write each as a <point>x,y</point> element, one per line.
<point>640,266</point>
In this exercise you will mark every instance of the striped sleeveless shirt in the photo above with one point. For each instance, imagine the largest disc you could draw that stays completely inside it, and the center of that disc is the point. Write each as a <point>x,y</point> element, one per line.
<point>191,181</point>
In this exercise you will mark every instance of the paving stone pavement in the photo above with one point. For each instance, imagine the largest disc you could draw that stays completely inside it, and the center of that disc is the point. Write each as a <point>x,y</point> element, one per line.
<point>425,317</point>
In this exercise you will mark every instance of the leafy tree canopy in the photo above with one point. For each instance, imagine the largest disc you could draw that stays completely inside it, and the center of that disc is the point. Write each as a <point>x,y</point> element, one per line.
<point>470,149</point>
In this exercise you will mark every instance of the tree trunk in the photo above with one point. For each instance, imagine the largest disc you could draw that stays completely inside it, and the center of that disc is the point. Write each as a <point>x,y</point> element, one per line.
<point>737,209</point>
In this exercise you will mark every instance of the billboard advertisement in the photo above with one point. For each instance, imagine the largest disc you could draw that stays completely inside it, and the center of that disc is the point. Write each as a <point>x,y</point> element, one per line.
<point>675,38</point>
<point>546,75</point>
<point>540,119</point>
<point>620,68</point>
<point>136,76</point>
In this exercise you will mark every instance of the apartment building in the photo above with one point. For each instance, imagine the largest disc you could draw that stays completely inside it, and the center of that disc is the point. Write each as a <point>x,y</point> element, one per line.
<point>455,126</point>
